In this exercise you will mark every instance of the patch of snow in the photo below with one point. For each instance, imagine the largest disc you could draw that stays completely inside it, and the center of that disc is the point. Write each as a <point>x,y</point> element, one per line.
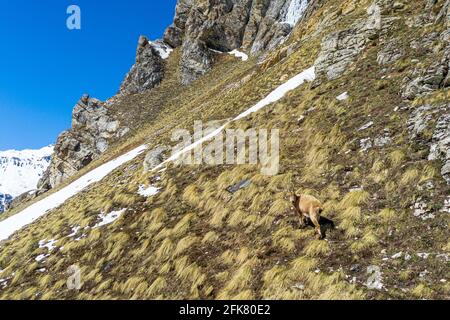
<point>343,96</point>
<point>41,257</point>
<point>163,49</point>
<point>397,255</point>
<point>109,218</point>
<point>75,230</point>
<point>295,11</point>
<point>50,245</point>
<point>277,94</point>
<point>299,286</point>
<point>366,126</point>
<point>239,54</point>
<point>40,208</point>
<point>84,235</point>
<point>148,192</point>
<point>215,51</point>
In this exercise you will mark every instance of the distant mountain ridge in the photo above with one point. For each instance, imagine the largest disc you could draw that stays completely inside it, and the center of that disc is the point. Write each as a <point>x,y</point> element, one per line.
<point>5,200</point>
<point>20,172</point>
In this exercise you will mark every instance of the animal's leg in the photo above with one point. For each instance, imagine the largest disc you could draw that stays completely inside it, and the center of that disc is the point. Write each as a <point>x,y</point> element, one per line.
<point>316,223</point>
<point>302,221</point>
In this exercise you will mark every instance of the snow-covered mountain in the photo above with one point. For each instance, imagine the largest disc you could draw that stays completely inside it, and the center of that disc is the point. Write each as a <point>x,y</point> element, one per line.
<point>5,199</point>
<point>20,171</point>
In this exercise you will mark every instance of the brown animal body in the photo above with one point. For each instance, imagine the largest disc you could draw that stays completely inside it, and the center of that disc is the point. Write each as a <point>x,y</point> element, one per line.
<point>307,206</point>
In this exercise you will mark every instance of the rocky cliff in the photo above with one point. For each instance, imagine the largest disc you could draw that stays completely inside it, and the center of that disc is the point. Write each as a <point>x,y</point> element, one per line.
<point>93,129</point>
<point>202,29</point>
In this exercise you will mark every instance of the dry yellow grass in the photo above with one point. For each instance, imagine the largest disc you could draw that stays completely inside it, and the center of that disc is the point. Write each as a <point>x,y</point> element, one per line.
<point>195,240</point>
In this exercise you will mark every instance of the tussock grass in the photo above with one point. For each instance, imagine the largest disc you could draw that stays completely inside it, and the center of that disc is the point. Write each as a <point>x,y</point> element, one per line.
<point>354,198</point>
<point>210,237</point>
<point>157,287</point>
<point>387,215</point>
<point>317,248</point>
<point>409,177</point>
<point>255,250</point>
<point>239,280</point>
<point>422,291</point>
<point>396,158</point>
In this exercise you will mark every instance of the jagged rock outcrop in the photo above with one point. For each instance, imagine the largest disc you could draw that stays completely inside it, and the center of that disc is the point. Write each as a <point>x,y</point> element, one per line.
<point>148,71</point>
<point>93,129</point>
<point>196,60</point>
<point>224,25</point>
<point>421,120</point>
<point>436,74</point>
<point>341,48</point>
<point>425,81</point>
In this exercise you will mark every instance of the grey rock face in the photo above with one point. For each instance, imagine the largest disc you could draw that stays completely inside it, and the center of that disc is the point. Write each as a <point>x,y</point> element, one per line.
<point>341,48</point>
<point>440,147</point>
<point>425,81</point>
<point>154,158</point>
<point>436,75</point>
<point>174,34</point>
<point>196,60</point>
<point>224,25</point>
<point>147,72</point>
<point>92,131</point>
<point>390,53</point>
<point>421,120</point>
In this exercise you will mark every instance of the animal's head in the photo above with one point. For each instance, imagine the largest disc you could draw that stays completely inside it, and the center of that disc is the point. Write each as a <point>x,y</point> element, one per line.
<point>292,198</point>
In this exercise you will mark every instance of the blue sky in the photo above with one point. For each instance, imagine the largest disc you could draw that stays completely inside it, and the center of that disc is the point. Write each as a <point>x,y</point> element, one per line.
<point>45,67</point>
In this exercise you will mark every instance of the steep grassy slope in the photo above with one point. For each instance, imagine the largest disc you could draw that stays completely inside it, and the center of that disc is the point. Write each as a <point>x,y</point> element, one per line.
<point>196,240</point>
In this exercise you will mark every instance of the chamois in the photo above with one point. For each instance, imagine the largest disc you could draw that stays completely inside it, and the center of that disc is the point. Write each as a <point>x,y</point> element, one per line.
<point>307,206</point>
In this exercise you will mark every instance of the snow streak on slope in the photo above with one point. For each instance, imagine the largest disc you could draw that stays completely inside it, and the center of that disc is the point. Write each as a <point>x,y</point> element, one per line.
<point>20,171</point>
<point>238,54</point>
<point>295,11</point>
<point>278,93</point>
<point>35,211</point>
<point>38,209</point>
<point>275,95</point>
